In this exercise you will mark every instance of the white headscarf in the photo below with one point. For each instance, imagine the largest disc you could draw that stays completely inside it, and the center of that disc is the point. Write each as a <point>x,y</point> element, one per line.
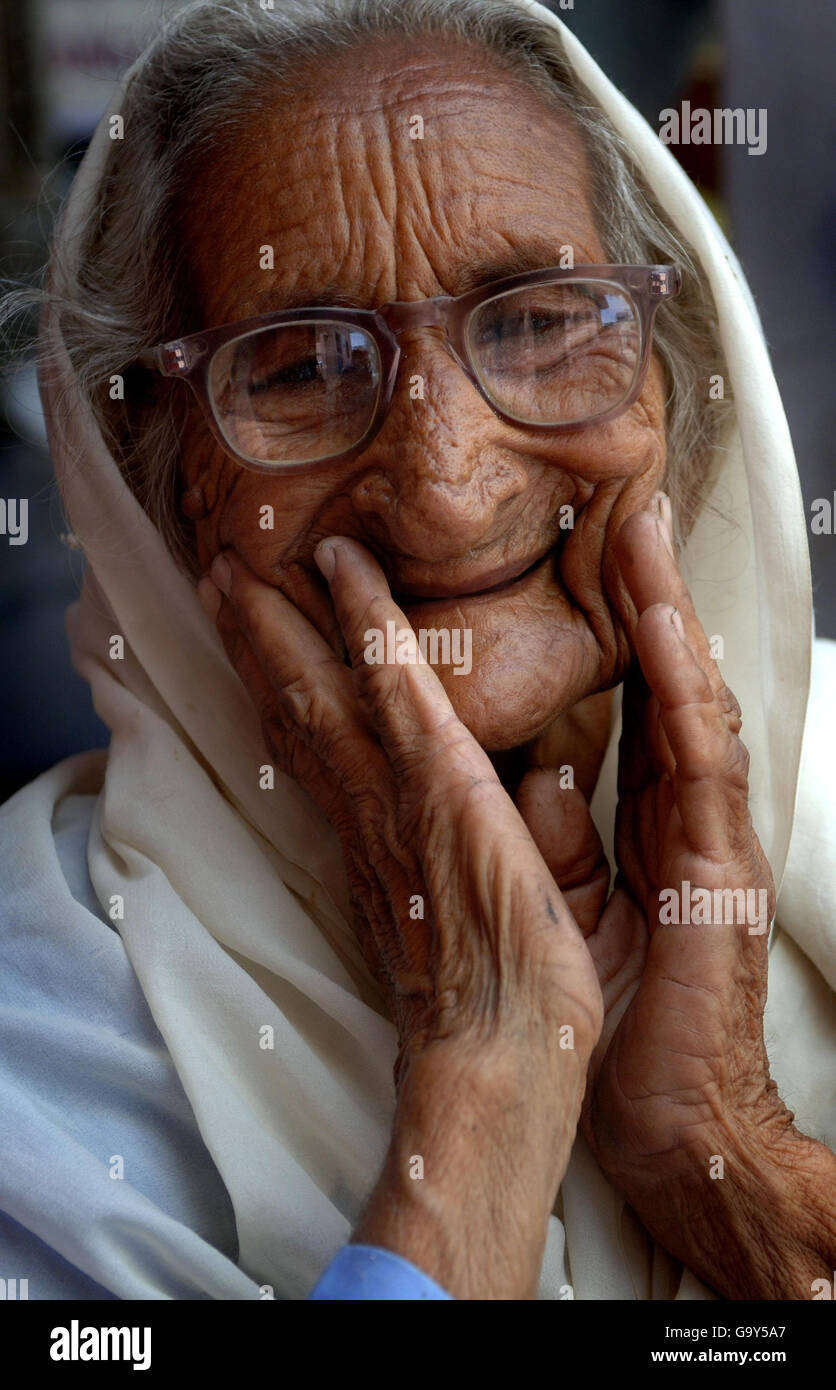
<point>235,902</point>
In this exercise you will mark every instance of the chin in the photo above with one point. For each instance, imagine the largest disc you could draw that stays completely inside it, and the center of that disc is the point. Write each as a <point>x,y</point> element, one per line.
<point>532,655</point>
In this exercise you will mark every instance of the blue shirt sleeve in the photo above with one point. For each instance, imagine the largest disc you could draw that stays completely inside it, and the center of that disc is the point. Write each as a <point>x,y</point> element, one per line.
<point>375,1275</point>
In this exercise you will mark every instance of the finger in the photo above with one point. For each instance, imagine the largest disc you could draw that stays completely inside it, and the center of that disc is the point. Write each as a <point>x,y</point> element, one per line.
<point>618,949</point>
<point>564,832</point>
<point>711,774</point>
<point>241,655</point>
<point>644,753</point>
<point>647,563</point>
<point>635,865</point>
<point>409,704</point>
<point>305,680</point>
<point>292,754</point>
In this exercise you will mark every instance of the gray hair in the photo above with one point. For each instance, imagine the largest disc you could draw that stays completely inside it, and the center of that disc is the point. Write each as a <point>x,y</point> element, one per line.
<point>199,85</point>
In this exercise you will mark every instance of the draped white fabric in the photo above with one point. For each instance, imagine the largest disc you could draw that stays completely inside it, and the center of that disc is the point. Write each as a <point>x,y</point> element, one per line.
<point>235,905</point>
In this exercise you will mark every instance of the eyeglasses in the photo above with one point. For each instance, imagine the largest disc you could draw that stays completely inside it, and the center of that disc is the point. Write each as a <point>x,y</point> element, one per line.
<point>551,349</point>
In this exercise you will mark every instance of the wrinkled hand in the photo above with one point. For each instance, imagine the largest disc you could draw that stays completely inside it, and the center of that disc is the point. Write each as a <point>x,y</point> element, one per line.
<point>680,1073</point>
<point>495,965</point>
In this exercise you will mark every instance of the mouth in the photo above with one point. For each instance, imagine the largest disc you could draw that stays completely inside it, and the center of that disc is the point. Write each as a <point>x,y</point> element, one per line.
<point>498,580</point>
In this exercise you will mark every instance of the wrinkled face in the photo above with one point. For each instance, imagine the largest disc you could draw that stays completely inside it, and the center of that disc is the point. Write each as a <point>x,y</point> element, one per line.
<point>462,510</point>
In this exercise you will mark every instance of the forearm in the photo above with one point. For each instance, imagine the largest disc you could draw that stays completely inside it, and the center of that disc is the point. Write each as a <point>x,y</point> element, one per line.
<point>493,1143</point>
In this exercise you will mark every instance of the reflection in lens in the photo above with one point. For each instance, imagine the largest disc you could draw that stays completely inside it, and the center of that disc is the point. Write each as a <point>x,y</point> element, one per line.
<point>297,392</point>
<point>558,353</point>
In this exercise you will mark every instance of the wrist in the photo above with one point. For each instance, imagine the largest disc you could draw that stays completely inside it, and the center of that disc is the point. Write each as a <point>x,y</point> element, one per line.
<point>764,1226</point>
<point>478,1149</point>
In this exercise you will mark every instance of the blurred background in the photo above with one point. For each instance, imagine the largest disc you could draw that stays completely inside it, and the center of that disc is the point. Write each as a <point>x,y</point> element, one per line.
<point>58,60</point>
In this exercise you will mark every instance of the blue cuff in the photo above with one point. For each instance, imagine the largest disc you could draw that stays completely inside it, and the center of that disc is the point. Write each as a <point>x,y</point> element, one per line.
<point>366,1272</point>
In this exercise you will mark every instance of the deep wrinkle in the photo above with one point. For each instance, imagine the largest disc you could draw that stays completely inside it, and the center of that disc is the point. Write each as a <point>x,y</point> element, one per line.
<point>446,492</point>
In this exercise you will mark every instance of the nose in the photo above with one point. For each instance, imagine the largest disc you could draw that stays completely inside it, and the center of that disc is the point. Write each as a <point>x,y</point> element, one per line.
<point>436,479</point>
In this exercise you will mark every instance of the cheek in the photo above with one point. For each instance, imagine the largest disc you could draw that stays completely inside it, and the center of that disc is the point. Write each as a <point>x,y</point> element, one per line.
<point>258,515</point>
<point>274,524</point>
<point>620,451</point>
<point>262,518</point>
<point>267,520</point>
<point>621,465</point>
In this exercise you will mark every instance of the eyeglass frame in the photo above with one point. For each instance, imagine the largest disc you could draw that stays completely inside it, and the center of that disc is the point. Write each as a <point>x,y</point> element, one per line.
<point>189,358</point>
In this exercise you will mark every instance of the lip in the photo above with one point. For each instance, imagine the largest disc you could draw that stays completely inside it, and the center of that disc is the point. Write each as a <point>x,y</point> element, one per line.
<point>491,582</point>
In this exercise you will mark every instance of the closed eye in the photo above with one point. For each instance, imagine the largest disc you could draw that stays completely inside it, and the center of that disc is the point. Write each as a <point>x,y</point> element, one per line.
<point>299,373</point>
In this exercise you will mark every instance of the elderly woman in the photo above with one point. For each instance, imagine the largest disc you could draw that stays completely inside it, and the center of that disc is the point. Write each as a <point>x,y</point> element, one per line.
<point>473,374</point>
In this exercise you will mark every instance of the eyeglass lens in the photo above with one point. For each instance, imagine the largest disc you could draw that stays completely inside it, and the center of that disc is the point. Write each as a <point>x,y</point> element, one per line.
<point>556,354</point>
<point>297,392</point>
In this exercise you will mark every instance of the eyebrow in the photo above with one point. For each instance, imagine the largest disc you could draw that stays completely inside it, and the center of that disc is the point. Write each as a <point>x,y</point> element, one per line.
<point>534,255</point>
<point>335,295</point>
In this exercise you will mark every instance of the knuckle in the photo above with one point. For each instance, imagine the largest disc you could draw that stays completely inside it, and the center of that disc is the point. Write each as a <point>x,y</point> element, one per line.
<point>730,707</point>
<point>386,687</point>
<point>372,614</point>
<point>310,710</point>
<point>335,739</point>
<point>738,762</point>
<point>439,757</point>
<point>381,687</point>
<point>300,701</point>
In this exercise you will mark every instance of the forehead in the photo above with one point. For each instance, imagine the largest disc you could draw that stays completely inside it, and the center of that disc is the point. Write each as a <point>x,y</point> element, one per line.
<point>398,171</point>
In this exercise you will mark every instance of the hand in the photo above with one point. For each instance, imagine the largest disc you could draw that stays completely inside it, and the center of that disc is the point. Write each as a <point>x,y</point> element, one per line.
<point>484,981</point>
<point>680,1076</point>
<point>681,1072</point>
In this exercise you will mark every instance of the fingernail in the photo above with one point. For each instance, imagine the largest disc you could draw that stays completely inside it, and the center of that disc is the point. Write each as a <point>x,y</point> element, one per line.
<point>326,558</point>
<point>209,595</point>
<point>676,619</point>
<point>221,573</point>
